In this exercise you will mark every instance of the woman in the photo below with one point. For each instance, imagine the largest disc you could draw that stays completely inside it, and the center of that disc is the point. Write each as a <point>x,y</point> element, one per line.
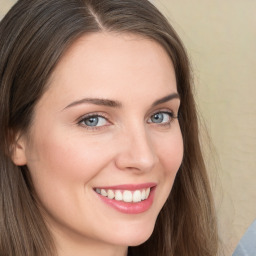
<point>99,139</point>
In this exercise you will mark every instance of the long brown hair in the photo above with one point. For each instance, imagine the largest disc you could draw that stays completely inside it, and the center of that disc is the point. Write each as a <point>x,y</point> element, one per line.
<point>33,37</point>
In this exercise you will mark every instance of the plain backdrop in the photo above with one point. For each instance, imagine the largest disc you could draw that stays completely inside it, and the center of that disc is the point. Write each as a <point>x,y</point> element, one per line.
<point>220,37</point>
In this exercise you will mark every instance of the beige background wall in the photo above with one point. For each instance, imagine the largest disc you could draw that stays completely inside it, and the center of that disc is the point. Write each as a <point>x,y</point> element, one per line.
<point>221,40</point>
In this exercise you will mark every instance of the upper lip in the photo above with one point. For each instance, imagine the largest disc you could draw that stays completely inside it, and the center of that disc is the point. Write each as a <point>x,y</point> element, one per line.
<point>129,186</point>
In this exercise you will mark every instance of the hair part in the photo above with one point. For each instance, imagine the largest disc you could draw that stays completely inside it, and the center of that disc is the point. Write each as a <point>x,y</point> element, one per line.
<point>34,35</point>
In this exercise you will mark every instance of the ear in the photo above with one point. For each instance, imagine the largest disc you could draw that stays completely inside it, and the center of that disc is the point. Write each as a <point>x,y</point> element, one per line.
<point>18,154</point>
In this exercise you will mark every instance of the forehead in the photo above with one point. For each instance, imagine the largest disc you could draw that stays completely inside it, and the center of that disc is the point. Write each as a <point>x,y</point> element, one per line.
<point>107,63</point>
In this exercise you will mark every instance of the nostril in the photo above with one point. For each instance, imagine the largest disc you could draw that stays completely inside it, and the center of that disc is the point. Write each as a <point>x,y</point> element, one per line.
<point>133,160</point>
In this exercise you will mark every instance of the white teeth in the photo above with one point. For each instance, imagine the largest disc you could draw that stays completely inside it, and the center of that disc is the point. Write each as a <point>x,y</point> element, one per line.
<point>111,194</point>
<point>104,192</point>
<point>136,196</point>
<point>126,195</point>
<point>118,195</point>
<point>147,192</point>
<point>143,194</point>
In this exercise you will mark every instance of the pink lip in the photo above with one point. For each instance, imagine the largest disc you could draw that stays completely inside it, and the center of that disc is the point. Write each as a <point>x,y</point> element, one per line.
<point>130,208</point>
<point>131,187</point>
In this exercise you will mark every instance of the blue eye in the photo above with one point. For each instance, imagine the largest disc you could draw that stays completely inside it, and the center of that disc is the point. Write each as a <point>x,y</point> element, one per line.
<point>161,118</point>
<point>94,121</point>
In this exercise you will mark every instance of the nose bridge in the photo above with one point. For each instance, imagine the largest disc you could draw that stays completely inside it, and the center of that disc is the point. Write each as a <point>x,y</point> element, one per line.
<point>137,151</point>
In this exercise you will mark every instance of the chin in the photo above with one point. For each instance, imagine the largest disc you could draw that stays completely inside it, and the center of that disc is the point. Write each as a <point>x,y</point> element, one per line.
<point>139,240</point>
<point>135,237</point>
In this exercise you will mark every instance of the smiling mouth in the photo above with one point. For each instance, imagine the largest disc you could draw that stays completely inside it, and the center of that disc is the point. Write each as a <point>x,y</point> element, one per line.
<point>128,196</point>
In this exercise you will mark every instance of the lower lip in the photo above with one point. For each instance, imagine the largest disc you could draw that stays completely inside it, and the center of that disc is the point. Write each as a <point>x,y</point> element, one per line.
<point>130,208</point>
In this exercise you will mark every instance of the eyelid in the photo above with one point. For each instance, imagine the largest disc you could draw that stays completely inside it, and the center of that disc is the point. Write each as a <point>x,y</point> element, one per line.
<point>93,114</point>
<point>163,111</point>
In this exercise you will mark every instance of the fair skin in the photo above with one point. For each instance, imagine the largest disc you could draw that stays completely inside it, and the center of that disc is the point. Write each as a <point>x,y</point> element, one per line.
<point>132,141</point>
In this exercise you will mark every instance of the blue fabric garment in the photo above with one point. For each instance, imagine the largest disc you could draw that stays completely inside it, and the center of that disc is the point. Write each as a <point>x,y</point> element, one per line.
<point>247,245</point>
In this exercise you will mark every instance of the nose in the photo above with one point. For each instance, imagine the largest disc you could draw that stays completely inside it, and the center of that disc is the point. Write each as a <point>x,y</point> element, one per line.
<point>136,151</point>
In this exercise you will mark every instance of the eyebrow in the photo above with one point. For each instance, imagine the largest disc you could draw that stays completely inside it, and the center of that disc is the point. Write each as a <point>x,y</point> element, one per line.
<point>166,98</point>
<point>96,101</point>
<point>118,104</point>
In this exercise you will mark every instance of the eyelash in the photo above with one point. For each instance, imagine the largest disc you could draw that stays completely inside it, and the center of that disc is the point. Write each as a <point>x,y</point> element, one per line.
<point>93,115</point>
<point>100,115</point>
<point>169,113</point>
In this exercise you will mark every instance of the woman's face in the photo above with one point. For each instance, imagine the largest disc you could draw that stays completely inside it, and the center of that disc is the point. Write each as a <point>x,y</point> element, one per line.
<point>103,135</point>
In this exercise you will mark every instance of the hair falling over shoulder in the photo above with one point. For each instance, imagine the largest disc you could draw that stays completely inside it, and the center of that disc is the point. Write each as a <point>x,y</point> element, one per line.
<point>33,36</point>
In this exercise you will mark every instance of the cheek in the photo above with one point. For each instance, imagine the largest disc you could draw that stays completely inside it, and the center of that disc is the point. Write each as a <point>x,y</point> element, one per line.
<point>68,157</point>
<point>62,170</point>
<point>61,167</point>
<point>170,154</point>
